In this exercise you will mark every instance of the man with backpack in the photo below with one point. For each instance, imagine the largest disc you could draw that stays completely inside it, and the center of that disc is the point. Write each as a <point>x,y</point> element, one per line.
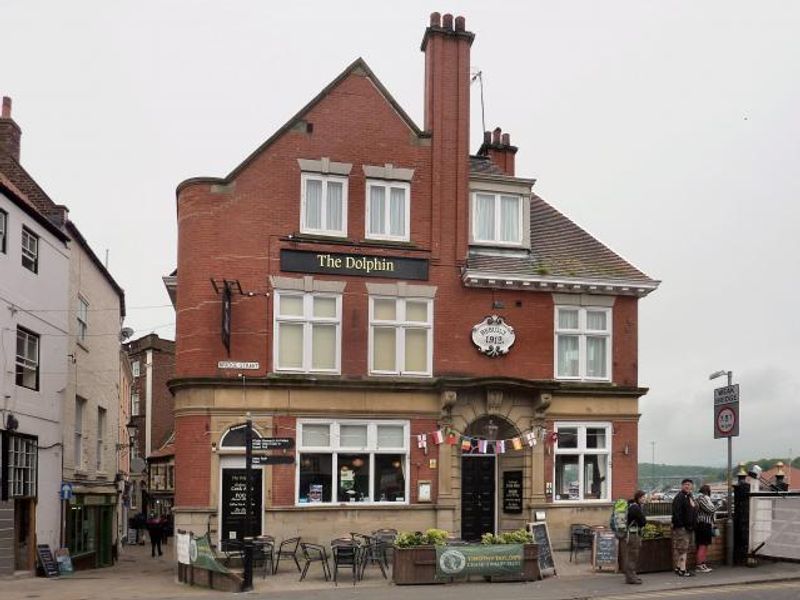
<point>631,542</point>
<point>684,517</point>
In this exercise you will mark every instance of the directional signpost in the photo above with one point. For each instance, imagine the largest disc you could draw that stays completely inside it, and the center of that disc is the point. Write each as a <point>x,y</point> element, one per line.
<point>258,461</point>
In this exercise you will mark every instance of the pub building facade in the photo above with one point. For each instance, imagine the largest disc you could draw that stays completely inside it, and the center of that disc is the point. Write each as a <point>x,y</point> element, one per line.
<point>439,345</point>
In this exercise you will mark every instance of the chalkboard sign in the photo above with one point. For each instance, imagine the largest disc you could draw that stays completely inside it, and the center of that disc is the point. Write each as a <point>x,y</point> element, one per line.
<point>512,492</point>
<point>605,550</point>
<point>46,560</point>
<point>541,536</point>
<point>132,531</point>
<point>234,507</point>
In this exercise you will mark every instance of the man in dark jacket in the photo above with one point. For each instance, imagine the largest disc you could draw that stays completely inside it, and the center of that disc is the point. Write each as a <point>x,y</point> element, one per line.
<point>684,516</point>
<point>632,542</point>
<point>156,531</point>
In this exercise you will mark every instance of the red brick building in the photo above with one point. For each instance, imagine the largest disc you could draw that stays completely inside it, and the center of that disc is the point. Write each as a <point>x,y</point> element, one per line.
<point>388,287</point>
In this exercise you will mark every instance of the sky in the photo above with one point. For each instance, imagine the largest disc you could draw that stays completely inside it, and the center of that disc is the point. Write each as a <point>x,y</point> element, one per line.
<point>669,130</point>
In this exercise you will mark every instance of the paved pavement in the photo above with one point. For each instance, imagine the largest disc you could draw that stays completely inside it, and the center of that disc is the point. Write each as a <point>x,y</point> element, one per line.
<point>137,577</point>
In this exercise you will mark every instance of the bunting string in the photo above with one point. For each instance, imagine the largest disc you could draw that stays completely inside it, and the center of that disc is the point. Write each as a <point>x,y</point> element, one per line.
<point>481,445</point>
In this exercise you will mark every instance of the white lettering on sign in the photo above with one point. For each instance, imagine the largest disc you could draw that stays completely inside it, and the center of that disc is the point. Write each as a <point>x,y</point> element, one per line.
<point>493,336</point>
<point>232,364</point>
<point>726,395</point>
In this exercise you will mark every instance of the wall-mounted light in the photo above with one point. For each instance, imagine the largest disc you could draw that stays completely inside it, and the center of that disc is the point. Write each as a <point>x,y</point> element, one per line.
<point>627,450</point>
<point>213,446</point>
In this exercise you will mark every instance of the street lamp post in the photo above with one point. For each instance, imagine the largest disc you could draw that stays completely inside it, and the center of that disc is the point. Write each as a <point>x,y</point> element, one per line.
<point>729,504</point>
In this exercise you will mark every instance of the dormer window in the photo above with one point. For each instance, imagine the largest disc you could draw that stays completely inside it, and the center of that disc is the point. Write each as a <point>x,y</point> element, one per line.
<point>323,205</point>
<point>497,219</point>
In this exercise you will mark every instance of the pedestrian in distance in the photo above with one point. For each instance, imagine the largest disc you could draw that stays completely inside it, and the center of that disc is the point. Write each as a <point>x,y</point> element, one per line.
<point>632,543</point>
<point>155,531</point>
<point>705,528</point>
<point>684,518</point>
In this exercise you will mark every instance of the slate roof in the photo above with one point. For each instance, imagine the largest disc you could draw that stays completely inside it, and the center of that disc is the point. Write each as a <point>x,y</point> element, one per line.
<point>560,249</point>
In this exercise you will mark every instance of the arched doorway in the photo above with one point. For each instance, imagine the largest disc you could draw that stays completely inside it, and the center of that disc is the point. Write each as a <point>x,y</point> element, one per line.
<point>480,468</point>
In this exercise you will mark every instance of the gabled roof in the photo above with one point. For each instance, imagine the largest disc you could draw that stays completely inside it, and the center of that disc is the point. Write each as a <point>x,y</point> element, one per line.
<point>359,67</point>
<point>562,257</point>
<point>23,202</point>
<point>35,195</point>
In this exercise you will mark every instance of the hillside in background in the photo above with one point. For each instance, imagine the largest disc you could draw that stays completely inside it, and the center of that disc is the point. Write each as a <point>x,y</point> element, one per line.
<point>662,477</point>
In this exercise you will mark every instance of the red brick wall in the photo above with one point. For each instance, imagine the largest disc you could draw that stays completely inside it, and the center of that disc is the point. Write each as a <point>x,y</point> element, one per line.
<point>283,475</point>
<point>625,336</point>
<point>192,460</point>
<point>420,462</point>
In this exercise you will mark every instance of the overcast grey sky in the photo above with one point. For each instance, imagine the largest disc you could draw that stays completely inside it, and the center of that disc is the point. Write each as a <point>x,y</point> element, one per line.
<point>669,130</point>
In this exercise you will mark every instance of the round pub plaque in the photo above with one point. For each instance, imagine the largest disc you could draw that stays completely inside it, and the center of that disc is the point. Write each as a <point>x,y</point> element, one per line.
<point>493,336</point>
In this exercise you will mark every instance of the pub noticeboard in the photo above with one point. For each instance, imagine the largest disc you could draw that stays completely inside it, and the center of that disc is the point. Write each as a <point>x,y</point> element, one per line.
<point>541,537</point>
<point>363,265</point>
<point>605,550</point>
<point>234,505</point>
<point>512,492</point>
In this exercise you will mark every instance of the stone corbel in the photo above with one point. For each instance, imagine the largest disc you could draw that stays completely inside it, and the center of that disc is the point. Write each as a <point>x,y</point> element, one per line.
<point>540,411</point>
<point>448,400</point>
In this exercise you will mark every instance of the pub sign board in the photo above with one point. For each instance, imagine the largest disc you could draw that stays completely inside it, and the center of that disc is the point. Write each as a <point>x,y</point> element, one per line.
<point>359,265</point>
<point>234,505</point>
<point>512,492</point>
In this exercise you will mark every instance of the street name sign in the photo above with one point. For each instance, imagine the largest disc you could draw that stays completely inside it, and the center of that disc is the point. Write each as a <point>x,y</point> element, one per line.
<point>726,412</point>
<point>235,364</point>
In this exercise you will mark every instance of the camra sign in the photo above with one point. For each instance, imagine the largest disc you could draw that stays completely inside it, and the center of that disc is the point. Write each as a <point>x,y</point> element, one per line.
<point>493,336</point>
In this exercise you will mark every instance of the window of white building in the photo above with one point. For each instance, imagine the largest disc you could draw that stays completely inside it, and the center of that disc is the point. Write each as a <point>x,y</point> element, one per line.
<point>22,466</point>
<point>77,458</point>
<point>583,343</point>
<point>352,461</point>
<point>135,408</point>
<point>83,319</point>
<point>101,428</point>
<point>582,461</point>
<point>307,332</point>
<point>30,250</point>
<point>27,363</point>
<point>388,210</point>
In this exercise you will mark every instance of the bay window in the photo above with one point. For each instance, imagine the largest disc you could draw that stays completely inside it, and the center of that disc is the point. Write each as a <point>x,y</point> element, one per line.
<point>400,336</point>
<point>388,210</point>
<point>582,462</point>
<point>352,461</point>
<point>307,332</point>
<point>323,207</point>
<point>583,343</point>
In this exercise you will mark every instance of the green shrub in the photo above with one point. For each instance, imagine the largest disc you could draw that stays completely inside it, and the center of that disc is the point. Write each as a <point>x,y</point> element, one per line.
<point>431,537</point>
<point>510,537</point>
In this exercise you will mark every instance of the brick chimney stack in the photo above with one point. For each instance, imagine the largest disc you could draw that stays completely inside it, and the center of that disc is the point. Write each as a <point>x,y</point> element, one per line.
<point>497,146</point>
<point>10,133</point>
<point>446,45</point>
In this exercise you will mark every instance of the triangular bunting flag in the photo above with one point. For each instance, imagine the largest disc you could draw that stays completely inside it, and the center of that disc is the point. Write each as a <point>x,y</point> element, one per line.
<point>438,436</point>
<point>466,445</point>
<point>517,443</point>
<point>482,446</point>
<point>530,437</point>
<point>499,446</point>
<point>422,440</point>
<point>452,438</point>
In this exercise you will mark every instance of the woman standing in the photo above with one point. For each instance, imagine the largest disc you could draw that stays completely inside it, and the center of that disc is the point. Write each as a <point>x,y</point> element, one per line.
<point>632,542</point>
<point>705,527</point>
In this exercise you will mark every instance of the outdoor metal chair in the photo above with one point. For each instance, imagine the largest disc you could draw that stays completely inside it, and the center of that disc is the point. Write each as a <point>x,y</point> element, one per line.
<point>388,537</point>
<point>346,553</point>
<point>314,553</point>
<point>264,553</point>
<point>373,552</point>
<point>581,538</point>
<point>288,549</point>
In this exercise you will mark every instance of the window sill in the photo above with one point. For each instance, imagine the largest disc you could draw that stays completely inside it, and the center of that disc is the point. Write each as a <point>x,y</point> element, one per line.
<point>339,241</point>
<point>499,245</point>
<point>330,235</point>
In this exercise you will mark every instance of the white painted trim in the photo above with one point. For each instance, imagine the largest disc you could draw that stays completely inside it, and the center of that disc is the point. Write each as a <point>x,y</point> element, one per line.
<point>496,242</point>
<point>562,284</point>
<point>400,325</point>
<point>581,451</point>
<point>582,332</point>
<point>307,320</point>
<point>304,177</point>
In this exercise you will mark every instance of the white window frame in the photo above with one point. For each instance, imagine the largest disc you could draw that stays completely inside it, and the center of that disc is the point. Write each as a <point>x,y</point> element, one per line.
<point>496,241</point>
<point>22,466</point>
<point>23,361</point>
<point>582,333</point>
<point>135,404</point>
<point>304,177</point>
<point>80,411</point>
<point>308,321</point>
<point>387,185</point>
<point>335,449</point>
<point>135,369</point>
<point>102,414</point>
<point>400,324</point>
<point>83,318</point>
<point>30,251</point>
<point>581,451</point>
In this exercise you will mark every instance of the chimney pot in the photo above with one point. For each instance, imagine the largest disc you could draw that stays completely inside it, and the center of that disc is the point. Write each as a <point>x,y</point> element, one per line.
<point>487,137</point>
<point>506,139</point>
<point>496,135</point>
<point>461,24</point>
<point>447,22</point>
<point>6,107</point>
<point>436,19</point>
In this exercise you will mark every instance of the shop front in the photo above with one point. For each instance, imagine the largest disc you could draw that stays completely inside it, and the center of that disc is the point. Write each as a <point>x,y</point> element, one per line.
<point>90,529</point>
<point>18,497</point>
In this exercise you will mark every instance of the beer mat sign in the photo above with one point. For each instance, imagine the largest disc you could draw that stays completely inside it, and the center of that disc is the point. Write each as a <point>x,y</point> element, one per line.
<point>479,559</point>
<point>363,265</point>
<point>493,336</point>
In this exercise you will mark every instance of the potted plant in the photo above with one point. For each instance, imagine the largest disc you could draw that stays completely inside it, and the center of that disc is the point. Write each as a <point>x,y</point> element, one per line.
<point>415,556</point>
<point>530,553</point>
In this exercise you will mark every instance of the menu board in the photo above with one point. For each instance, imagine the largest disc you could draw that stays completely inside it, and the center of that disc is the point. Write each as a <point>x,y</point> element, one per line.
<point>46,560</point>
<point>605,550</point>
<point>512,492</point>
<point>234,506</point>
<point>541,537</point>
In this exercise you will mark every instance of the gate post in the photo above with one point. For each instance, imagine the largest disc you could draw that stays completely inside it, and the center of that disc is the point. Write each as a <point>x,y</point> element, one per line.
<point>741,517</point>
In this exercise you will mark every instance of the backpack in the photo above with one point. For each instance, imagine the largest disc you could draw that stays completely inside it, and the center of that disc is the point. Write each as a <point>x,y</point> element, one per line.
<point>619,518</point>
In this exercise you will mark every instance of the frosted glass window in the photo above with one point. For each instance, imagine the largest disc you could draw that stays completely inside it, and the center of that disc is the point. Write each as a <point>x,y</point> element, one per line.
<point>387,210</point>
<point>416,350</point>
<point>417,311</point>
<point>596,321</point>
<point>291,306</point>
<point>385,310</point>
<point>391,436</point>
<point>353,436</point>
<point>384,349</point>
<point>323,347</point>
<point>324,204</point>
<point>324,307</point>
<point>317,436</point>
<point>308,332</point>
<point>314,204</point>
<point>290,353</point>
<point>568,356</point>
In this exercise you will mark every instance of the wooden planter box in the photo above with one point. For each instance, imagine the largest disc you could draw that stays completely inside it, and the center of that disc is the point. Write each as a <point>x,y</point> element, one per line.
<point>655,556</point>
<point>530,566</point>
<point>414,566</point>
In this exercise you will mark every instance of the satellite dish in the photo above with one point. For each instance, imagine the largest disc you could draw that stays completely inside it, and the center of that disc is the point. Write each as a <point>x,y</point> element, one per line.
<point>125,333</point>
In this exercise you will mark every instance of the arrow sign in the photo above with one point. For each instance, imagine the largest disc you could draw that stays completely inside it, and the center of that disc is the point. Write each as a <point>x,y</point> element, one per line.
<point>272,460</point>
<point>273,443</point>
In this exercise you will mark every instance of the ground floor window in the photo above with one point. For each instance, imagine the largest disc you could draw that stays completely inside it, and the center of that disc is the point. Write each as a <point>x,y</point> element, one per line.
<point>22,460</point>
<point>352,461</point>
<point>81,528</point>
<point>582,461</point>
